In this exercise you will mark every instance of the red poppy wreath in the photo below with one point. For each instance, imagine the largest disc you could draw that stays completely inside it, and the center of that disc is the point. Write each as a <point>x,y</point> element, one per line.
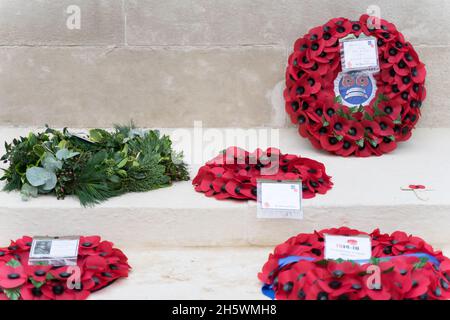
<point>99,262</point>
<point>321,106</point>
<point>234,173</point>
<point>409,268</point>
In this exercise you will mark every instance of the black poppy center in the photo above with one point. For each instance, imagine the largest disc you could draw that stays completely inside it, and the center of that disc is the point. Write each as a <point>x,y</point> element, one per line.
<point>333,140</point>
<point>388,109</point>
<point>58,289</point>
<point>39,273</point>
<point>87,244</point>
<point>36,292</point>
<point>338,126</point>
<point>64,274</point>
<point>13,276</point>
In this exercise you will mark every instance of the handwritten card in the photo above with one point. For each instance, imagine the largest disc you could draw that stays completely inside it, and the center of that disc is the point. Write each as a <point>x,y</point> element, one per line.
<point>359,54</point>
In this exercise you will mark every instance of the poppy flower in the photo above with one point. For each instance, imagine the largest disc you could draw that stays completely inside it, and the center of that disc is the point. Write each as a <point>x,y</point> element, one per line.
<point>12,277</point>
<point>30,292</point>
<point>59,291</point>
<point>38,273</point>
<point>88,244</point>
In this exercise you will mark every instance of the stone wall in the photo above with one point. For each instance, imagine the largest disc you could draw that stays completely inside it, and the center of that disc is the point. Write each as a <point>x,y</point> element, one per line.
<point>166,63</point>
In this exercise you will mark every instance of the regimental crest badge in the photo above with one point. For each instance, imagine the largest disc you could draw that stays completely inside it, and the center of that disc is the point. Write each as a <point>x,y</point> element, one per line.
<point>355,88</point>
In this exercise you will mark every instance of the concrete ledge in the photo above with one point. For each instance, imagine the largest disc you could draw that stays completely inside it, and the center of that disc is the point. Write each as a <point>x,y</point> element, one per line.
<point>366,195</point>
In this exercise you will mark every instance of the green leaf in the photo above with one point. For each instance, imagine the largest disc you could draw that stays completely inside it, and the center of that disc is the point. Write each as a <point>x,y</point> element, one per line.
<point>322,262</point>
<point>37,176</point>
<point>122,163</point>
<point>35,283</point>
<point>368,117</point>
<point>50,163</point>
<point>50,184</point>
<point>65,154</point>
<point>13,263</point>
<point>422,262</point>
<point>325,123</point>
<point>391,137</point>
<point>12,294</point>
<point>389,270</point>
<point>49,276</point>
<point>38,150</point>
<point>28,192</point>
<point>338,99</point>
<point>360,142</point>
<point>339,137</point>
<point>373,143</point>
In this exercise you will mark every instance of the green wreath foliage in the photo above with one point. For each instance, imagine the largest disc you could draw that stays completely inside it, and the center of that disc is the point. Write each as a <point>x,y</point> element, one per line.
<point>93,168</point>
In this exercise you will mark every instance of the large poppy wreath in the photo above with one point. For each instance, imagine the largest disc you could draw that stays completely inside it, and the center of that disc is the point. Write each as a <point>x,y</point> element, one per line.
<point>99,262</point>
<point>409,269</point>
<point>234,173</point>
<point>373,127</point>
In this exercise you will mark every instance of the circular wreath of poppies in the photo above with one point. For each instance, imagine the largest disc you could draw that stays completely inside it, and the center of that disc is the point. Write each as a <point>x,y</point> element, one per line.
<point>371,129</point>
<point>409,269</point>
<point>100,264</point>
<point>234,173</point>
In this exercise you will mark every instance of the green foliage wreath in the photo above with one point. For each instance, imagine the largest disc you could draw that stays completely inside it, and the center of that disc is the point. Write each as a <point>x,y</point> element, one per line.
<point>95,167</point>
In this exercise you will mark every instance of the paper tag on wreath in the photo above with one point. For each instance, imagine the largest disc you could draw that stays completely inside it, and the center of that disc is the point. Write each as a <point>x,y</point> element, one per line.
<point>359,54</point>
<point>347,247</point>
<point>61,251</point>
<point>279,199</point>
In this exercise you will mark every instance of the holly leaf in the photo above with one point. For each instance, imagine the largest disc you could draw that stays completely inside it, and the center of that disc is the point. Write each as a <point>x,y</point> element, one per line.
<point>12,294</point>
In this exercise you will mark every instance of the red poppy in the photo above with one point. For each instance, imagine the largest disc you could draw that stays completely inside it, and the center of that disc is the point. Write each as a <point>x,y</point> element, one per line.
<point>12,277</point>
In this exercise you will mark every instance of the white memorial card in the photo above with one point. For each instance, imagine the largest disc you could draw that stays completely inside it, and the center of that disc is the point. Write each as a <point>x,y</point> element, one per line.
<point>359,54</point>
<point>54,251</point>
<point>279,199</point>
<point>348,247</point>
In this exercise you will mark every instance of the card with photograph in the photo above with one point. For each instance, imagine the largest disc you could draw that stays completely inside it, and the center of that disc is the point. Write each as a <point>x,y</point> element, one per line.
<point>62,251</point>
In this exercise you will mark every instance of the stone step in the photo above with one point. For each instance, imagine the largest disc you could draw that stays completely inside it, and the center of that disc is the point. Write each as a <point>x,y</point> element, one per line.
<point>193,273</point>
<point>366,195</point>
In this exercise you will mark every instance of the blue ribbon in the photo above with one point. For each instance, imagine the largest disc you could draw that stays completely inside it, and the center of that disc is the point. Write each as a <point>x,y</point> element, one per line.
<point>268,291</point>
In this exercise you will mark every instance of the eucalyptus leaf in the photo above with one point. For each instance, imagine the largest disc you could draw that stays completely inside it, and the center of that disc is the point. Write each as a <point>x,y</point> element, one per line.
<point>65,154</point>
<point>50,184</point>
<point>37,176</point>
<point>28,191</point>
<point>50,163</point>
